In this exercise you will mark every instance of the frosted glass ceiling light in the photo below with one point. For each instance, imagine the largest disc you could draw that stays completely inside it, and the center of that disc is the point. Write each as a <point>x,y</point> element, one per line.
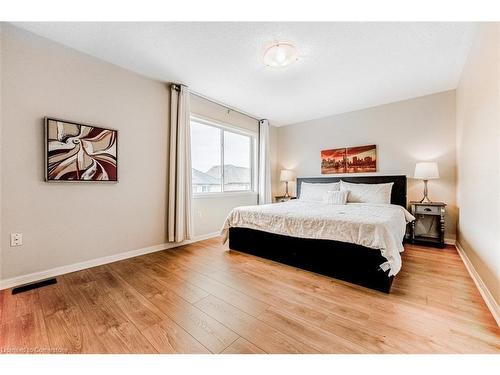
<point>280,55</point>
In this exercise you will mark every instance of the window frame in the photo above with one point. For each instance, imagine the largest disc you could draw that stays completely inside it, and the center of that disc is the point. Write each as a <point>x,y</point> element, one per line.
<point>225,127</point>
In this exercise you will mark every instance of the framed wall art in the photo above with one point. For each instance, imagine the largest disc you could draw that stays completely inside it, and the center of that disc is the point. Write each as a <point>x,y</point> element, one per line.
<point>360,159</point>
<point>79,152</point>
<point>333,161</point>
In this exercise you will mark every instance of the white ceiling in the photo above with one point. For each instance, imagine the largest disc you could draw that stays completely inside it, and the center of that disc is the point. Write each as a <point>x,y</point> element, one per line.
<point>343,66</point>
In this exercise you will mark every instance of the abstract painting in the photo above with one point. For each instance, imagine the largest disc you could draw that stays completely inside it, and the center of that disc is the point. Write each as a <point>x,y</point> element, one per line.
<point>77,152</point>
<point>360,159</point>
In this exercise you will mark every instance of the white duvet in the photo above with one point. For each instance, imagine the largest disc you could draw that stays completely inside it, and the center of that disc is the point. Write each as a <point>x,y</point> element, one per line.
<point>377,226</point>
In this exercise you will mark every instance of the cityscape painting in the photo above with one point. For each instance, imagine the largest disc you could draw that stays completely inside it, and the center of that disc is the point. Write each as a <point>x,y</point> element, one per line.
<point>333,161</point>
<point>360,159</point>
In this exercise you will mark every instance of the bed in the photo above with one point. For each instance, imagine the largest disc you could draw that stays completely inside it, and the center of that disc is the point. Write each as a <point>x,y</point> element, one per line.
<point>359,243</point>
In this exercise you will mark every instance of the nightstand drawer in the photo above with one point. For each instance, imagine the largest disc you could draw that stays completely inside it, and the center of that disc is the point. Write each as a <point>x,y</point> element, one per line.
<point>429,210</point>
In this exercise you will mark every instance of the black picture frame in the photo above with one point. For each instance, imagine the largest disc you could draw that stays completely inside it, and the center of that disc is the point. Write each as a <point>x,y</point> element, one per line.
<point>46,122</point>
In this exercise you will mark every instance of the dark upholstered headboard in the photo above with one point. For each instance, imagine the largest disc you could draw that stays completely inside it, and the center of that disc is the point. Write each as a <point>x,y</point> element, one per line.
<point>398,194</point>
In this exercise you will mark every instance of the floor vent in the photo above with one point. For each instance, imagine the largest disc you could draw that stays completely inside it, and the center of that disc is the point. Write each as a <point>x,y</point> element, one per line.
<point>38,284</point>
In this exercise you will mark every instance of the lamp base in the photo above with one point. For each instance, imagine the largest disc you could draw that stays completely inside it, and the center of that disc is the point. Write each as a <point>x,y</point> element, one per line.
<point>425,199</point>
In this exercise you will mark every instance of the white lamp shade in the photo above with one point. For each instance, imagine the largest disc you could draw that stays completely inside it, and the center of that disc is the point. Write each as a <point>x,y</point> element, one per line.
<point>287,175</point>
<point>426,171</point>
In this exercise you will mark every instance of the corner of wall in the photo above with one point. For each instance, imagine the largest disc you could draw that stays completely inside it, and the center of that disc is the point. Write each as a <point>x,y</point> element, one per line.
<point>488,297</point>
<point>477,126</point>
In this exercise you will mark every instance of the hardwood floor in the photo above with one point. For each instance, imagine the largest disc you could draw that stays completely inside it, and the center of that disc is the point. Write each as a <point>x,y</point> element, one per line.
<point>202,298</point>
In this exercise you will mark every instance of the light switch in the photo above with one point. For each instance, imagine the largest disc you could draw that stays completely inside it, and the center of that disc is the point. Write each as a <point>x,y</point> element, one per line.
<point>16,239</point>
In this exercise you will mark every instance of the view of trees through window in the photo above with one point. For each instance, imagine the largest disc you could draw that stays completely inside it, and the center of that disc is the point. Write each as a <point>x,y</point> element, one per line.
<point>221,159</point>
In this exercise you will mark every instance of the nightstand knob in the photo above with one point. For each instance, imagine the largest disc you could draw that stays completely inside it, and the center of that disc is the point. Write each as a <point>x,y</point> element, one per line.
<point>427,209</point>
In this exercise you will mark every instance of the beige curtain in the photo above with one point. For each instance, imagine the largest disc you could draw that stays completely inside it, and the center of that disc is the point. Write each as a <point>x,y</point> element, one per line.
<point>179,174</point>
<point>264,164</point>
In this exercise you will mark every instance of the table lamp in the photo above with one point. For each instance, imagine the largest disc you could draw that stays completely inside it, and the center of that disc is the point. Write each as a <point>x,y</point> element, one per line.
<point>426,171</point>
<point>286,176</point>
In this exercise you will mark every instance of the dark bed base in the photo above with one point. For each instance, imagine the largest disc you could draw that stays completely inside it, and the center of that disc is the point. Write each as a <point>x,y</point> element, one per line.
<point>344,261</point>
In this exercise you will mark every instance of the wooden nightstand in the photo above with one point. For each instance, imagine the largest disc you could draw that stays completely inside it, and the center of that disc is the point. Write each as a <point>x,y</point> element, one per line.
<point>428,227</point>
<point>282,198</point>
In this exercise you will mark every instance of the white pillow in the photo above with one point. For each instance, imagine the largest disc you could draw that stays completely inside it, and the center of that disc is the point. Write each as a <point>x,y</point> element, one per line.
<point>367,193</point>
<point>317,192</point>
<point>337,197</point>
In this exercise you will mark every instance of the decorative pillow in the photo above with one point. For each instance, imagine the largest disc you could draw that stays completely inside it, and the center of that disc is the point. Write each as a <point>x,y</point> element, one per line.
<point>337,197</point>
<point>367,193</point>
<point>317,192</point>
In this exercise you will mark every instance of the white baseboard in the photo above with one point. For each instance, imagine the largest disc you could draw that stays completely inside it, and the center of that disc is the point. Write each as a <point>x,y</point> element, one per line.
<point>41,275</point>
<point>447,241</point>
<point>450,241</point>
<point>481,286</point>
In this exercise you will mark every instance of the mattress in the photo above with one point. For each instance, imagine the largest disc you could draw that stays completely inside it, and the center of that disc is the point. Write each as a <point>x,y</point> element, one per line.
<point>378,226</point>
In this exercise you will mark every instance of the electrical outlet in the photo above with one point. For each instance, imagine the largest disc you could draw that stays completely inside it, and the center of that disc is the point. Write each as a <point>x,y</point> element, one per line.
<point>16,239</point>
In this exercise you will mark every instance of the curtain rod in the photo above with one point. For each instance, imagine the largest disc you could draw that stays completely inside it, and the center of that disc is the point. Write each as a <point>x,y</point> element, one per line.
<point>177,87</point>
<point>224,105</point>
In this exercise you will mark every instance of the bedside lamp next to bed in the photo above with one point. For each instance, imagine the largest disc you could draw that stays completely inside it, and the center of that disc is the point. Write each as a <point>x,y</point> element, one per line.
<point>286,176</point>
<point>426,171</point>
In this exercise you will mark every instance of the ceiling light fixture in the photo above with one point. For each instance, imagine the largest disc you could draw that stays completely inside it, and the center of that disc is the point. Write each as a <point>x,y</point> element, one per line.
<point>280,55</point>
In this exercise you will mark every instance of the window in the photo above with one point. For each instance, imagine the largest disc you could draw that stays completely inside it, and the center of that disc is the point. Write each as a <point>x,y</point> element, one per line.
<point>205,158</point>
<point>222,158</point>
<point>237,162</point>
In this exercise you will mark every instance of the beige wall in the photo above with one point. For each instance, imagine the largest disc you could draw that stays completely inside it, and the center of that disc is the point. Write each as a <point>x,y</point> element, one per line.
<point>216,112</point>
<point>405,132</point>
<point>478,156</point>
<point>274,160</point>
<point>65,223</point>
<point>209,213</point>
